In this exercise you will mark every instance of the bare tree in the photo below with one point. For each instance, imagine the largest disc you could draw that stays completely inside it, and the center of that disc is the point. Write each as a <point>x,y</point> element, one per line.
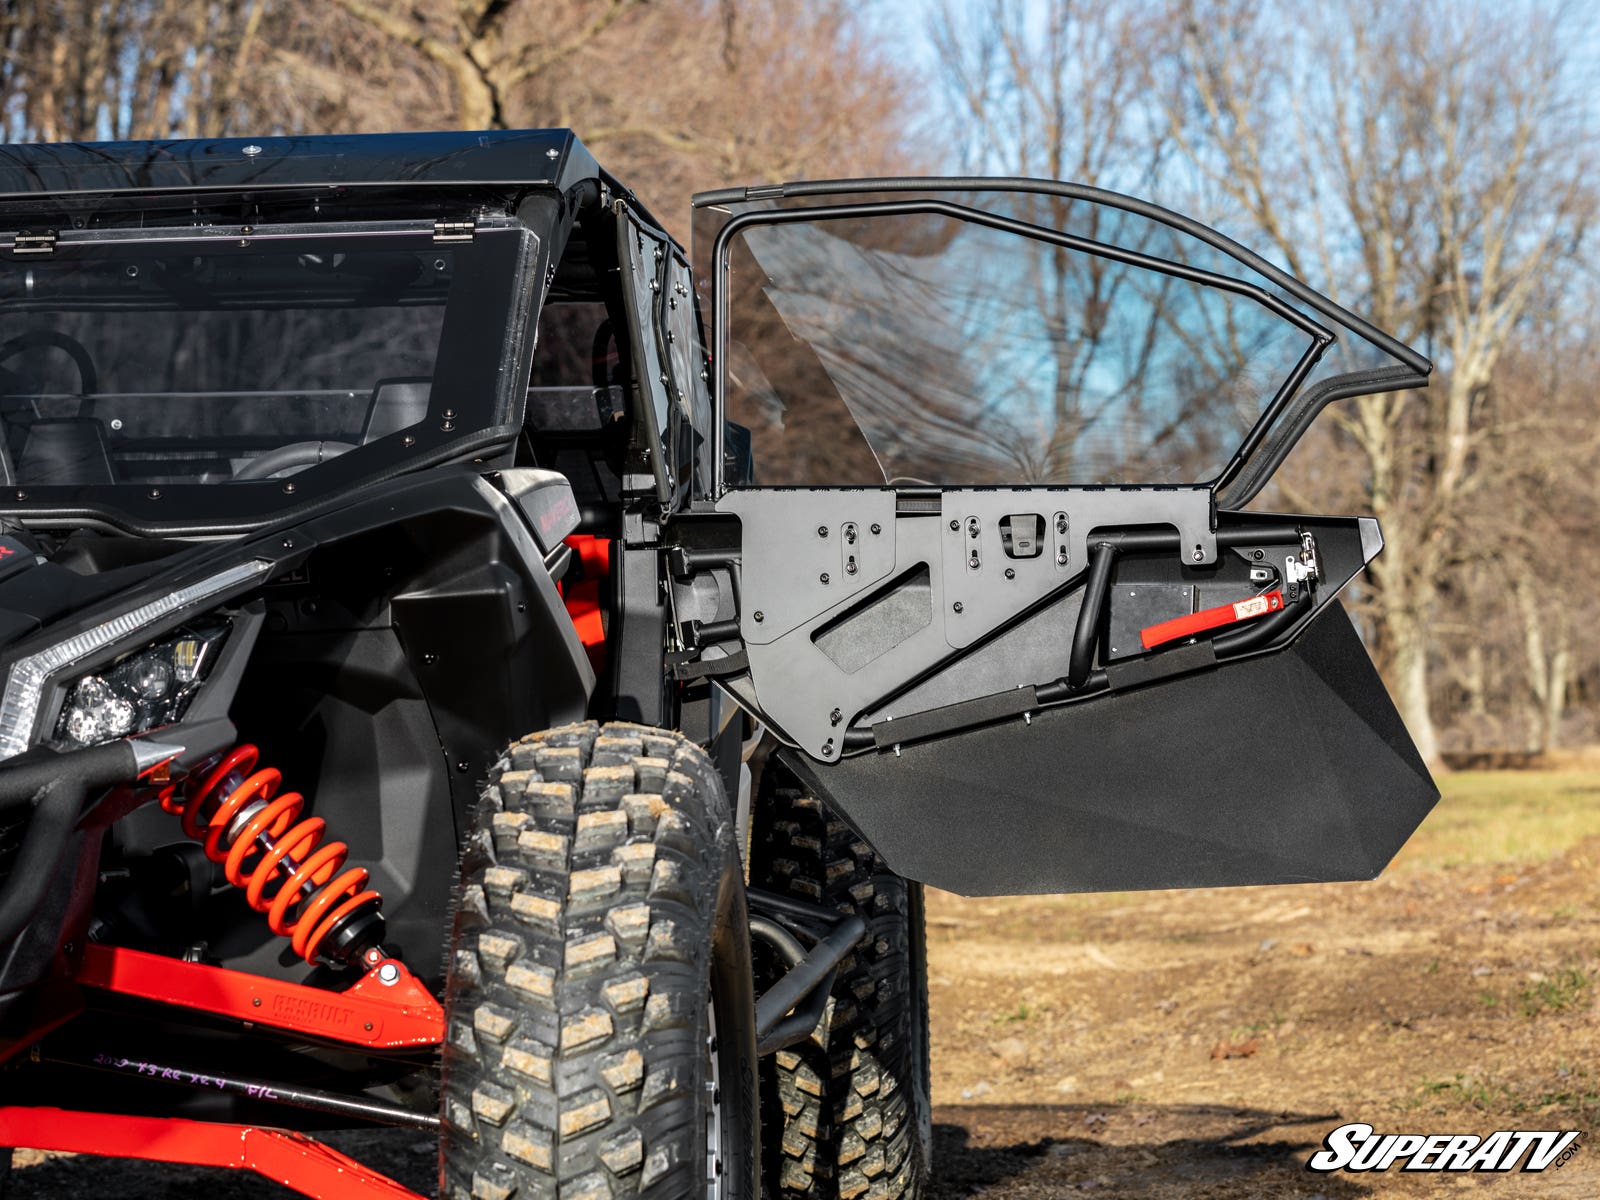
<point>675,95</point>
<point>1428,164</point>
<point>95,69</point>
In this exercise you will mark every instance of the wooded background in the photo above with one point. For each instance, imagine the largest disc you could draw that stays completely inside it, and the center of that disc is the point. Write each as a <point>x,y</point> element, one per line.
<point>1429,164</point>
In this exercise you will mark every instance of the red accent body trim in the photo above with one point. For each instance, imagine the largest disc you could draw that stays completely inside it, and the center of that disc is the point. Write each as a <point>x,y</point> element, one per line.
<point>392,1016</point>
<point>1211,618</point>
<point>291,1159</point>
<point>582,594</point>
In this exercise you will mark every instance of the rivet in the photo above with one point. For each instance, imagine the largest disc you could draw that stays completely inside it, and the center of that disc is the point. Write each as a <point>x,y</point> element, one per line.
<point>955,525</point>
<point>822,531</point>
<point>1010,574</point>
<point>256,1000</point>
<point>155,493</point>
<point>288,489</point>
<point>877,529</point>
<point>823,577</point>
<point>956,606</point>
<point>429,659</point>
<point>835,716</point>
<point>759,616</point>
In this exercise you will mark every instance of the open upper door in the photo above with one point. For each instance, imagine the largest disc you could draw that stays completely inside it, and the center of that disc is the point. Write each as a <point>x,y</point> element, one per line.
<point>985,442</point>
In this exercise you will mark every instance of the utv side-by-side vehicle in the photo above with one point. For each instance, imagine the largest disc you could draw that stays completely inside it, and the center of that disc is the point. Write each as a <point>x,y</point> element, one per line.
<point>467,667</point>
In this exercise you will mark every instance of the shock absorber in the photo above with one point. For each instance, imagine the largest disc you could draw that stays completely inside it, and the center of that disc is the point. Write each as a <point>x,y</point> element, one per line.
<point>284,864</point>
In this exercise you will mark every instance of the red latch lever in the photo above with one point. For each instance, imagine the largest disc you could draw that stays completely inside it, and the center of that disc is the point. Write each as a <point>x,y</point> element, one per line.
<point>1210,618</point>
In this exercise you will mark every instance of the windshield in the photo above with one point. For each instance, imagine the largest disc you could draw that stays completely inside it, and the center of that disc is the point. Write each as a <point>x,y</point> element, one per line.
<point>1000,337</point>
<point>168,361</point>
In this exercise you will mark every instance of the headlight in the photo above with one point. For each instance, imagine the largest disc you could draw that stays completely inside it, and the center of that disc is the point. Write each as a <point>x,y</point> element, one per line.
<point>144,690</point>
<point>28,678</point>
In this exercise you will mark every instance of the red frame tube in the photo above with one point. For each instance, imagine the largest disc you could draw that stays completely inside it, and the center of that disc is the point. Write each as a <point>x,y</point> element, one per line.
<point>398,1015</point>
<point>292,1159</point>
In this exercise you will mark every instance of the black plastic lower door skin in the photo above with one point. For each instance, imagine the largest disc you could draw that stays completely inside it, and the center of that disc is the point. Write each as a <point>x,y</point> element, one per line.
<point>1292,767</point>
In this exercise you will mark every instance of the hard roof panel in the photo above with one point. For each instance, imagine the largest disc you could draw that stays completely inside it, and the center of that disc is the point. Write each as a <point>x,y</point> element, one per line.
<point>525,158</point>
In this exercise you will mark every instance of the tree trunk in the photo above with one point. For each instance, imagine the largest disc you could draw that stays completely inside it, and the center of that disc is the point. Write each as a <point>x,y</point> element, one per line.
<point>1410,659</point>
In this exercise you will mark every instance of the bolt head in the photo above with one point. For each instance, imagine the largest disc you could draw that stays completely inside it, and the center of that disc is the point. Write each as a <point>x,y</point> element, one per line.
<point>1198,555</point>
<point>957,606</point>
<point>823,577</point>
<point>822,531</point>
<point>954,525</point>
<point>389,974</point>
<point>759,616</point>
<point>1010,574</point>
<point>877,529</point>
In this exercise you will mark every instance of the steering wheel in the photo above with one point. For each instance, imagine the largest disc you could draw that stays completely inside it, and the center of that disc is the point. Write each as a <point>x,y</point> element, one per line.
<point>88,377</point>
<point>287,458</point>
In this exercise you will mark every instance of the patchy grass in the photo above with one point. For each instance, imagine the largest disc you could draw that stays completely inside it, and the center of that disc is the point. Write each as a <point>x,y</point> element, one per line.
<point>1560,992</point>
<point>1022,1012</point>
<point>1504,817</point>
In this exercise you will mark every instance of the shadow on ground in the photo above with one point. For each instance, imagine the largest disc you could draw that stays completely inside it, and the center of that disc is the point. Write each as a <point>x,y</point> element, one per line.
<point>1149,1152</point>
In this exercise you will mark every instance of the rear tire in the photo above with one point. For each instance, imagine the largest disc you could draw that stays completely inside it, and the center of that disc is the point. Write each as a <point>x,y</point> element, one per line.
<point>854,1117</point>
<point>600,939</point>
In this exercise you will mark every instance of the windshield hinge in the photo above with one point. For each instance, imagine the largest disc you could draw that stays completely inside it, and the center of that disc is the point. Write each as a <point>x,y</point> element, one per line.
<point>29,241</point>
<point>453,231</point>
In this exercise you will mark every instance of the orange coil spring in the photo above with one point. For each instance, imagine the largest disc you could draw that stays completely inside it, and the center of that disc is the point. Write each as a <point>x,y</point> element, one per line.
<point>311,897</point>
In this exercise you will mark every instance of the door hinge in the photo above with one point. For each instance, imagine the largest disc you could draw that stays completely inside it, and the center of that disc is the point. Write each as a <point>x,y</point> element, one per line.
<point>453,231</point>
<point>31,242</point>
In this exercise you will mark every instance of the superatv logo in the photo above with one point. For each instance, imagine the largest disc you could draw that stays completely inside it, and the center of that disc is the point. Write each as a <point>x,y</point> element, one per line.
<point>1356,1147</point>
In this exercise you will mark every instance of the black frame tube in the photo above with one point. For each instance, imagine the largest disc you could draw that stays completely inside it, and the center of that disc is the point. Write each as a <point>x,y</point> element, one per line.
<point>56,786</point>
<point>267,1091</point>
<point>1086,633</point>
<point>803,980</point>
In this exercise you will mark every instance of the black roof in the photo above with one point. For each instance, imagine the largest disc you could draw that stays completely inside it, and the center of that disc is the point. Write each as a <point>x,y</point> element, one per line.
<point>517,158</point>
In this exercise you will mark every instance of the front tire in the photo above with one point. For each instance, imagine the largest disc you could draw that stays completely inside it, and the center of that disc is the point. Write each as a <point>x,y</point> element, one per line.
<point>600,1019</point>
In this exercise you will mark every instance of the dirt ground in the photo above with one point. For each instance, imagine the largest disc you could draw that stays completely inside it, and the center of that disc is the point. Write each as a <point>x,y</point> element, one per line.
<point>1201,1044</point>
